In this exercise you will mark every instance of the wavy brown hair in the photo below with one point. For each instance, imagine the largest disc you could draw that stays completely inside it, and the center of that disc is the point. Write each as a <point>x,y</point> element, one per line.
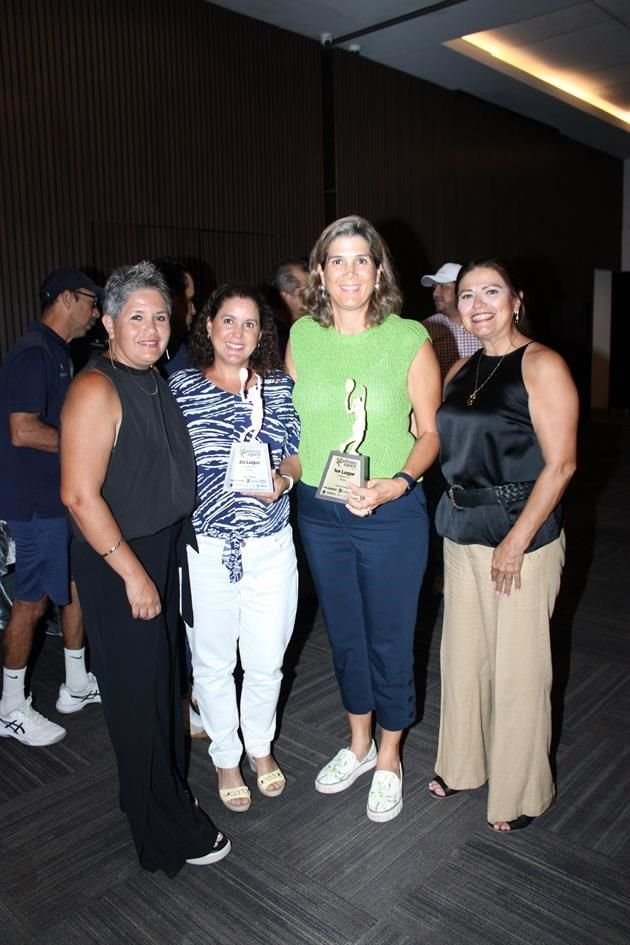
<point>264,358</point>
<point>385,299</point>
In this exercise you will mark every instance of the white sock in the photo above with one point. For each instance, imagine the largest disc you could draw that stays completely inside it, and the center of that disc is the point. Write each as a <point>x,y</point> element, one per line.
<point>76,673</point>
<point>12,689</point>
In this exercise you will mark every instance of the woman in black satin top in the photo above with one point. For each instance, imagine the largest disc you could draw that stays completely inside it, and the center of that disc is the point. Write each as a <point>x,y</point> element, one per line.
<point>508,440</point>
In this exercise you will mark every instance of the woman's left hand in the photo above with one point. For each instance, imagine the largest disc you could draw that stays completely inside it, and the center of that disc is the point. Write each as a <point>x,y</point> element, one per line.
<point>363,500</point>
<point>505,569</point>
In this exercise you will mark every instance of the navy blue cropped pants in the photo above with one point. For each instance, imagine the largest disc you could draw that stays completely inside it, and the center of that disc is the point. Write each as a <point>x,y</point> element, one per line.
<point>367,574</point>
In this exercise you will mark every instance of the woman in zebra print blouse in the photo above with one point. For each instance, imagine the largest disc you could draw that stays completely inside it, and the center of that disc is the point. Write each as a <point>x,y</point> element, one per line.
<point>244,578</point>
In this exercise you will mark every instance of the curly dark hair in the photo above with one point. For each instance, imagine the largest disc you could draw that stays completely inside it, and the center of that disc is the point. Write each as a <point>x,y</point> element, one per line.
<point>265,358</point>
<point>507,272</point>
<point>386,298</point>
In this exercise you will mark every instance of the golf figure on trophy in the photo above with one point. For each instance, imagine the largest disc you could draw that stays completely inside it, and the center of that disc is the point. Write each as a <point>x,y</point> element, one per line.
<point>345,467</point>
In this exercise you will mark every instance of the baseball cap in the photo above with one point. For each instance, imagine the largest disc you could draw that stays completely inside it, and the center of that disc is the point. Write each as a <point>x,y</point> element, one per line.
<point>60,280</point>
<point>446,273</point>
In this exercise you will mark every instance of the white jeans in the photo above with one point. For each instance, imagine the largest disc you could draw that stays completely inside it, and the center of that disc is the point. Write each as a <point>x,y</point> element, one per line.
<point>255,615</point>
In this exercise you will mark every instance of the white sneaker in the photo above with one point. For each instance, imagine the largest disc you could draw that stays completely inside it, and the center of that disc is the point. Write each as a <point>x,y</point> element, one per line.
<point>343,770</point>
<point>385,798</point>
<point>70,701</point>
<point>30,727</point>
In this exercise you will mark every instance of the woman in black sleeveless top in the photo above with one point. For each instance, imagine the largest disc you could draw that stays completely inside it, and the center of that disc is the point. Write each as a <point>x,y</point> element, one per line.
<point>128,480</point>
<point>508,439</point>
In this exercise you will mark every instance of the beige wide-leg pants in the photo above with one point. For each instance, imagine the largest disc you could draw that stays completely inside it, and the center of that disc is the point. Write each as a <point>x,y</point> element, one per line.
<point>495,722</point>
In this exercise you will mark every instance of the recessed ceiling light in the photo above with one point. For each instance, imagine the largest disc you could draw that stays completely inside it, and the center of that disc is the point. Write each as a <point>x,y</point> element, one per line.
<point>527,68</point>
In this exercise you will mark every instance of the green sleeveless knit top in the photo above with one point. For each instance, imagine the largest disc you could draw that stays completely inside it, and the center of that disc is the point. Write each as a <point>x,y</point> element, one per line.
<point>377,358</point>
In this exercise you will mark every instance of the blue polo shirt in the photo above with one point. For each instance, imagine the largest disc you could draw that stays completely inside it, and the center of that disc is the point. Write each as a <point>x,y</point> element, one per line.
<point>33,379</point>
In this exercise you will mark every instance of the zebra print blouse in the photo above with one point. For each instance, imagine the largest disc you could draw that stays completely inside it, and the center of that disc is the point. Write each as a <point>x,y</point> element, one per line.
<point>215,420</point>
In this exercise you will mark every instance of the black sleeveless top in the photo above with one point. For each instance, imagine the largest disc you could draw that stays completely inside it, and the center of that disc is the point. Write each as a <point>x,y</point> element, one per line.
<point>489,444</point>
<point>151,480</point>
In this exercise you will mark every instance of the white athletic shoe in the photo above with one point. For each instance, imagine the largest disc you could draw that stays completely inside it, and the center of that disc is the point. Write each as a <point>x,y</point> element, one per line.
<point>30,727</point>
<point>70,701</point>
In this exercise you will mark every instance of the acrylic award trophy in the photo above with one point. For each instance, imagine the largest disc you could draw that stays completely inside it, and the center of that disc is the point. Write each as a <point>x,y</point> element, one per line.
<point>249,469</point>
<point>345,467</point>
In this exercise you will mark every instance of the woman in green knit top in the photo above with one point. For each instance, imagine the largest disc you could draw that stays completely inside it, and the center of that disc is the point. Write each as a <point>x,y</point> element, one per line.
<point>367,556</point>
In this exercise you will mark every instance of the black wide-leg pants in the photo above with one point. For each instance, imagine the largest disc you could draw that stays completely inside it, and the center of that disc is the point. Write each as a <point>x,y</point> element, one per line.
<point>137,667</point>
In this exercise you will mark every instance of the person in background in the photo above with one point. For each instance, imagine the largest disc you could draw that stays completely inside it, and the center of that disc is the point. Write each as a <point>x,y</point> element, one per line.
<point>450,339</point>
<point>33,382</point>
<point>285,290</point>
<point>128,481</point>
<point>367,557</point>
<point>508,445</point>
<point>181,286</point>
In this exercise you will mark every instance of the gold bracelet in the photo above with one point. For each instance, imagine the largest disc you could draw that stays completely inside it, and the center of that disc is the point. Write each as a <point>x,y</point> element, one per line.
<point>114,548</point>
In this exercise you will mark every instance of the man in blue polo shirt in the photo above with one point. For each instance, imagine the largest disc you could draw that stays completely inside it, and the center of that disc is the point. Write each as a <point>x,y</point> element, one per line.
<point>33,382</point>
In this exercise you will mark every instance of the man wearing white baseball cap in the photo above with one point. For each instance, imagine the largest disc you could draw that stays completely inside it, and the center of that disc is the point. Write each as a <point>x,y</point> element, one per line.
<point>450,339</point>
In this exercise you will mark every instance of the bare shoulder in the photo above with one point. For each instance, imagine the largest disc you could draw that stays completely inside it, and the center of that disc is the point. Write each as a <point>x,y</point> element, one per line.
<point>92,391</point>
<point>542,365</point>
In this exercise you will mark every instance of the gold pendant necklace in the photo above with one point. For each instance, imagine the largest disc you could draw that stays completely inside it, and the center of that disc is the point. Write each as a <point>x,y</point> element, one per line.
<point>472,397</point>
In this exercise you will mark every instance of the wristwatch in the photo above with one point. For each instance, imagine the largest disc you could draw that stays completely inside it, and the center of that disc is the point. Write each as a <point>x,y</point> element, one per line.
<point>408,479</point>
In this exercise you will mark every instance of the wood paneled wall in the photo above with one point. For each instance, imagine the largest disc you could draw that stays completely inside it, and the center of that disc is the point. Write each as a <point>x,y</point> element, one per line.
<point>447,177</point>
<point>134,128</point>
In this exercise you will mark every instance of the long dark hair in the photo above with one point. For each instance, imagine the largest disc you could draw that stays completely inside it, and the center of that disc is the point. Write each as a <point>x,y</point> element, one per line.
<point>264,358</point>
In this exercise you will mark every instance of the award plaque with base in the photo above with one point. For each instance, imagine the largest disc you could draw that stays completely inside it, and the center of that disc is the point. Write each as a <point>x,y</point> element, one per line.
<point>345,467</point>
<point>249,468</point>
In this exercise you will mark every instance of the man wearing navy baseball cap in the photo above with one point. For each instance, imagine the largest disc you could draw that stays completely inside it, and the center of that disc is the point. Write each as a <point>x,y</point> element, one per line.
<point>33,382</point>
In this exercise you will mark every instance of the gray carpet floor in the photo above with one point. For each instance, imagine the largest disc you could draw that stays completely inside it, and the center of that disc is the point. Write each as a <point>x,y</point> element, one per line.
<point>312,870</point>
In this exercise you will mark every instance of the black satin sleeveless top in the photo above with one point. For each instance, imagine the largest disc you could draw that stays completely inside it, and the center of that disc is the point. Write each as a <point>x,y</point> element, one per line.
<point>488,444</point>
<point>150,482</point>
